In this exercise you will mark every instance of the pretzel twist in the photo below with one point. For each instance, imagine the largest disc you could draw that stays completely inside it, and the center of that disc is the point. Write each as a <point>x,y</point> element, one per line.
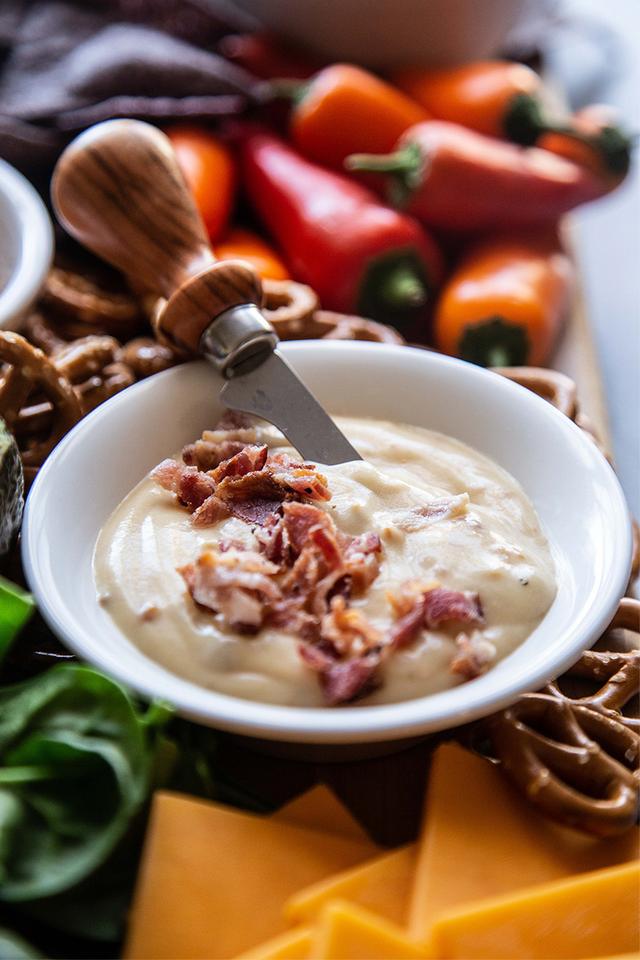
<point>30,371</point>
<point>145,356</point>
<point>89,300</point>
<point>89,366</point>
<point>551,385</point>
<point>342,326</point>
<point>578,757</point>
<point>583,774</point>
<point>289,308</point>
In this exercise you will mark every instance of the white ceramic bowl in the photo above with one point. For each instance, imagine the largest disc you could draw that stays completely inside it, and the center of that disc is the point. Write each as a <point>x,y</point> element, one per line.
<point>384,33</point>
<point>573,488</point>
<point>26,246</point>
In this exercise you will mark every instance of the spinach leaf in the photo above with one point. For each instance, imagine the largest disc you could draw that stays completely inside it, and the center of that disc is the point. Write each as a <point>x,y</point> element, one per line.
<point>16,607</point>
<point>75,759</point>
<point>13,947</point>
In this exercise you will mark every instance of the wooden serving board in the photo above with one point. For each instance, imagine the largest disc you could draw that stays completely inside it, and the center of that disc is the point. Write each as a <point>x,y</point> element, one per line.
<point>576,355</point>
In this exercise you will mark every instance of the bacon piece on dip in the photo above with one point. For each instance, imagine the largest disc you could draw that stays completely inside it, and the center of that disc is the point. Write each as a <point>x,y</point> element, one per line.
<point>238,585</point>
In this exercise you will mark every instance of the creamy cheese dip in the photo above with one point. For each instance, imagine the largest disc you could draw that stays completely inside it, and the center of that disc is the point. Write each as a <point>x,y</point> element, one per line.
<point>488,541</point>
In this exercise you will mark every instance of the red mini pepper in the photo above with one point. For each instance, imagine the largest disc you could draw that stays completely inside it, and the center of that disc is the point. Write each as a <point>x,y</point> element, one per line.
<point>457,179</point>
<point>359,256</point>
<point>266,56</point>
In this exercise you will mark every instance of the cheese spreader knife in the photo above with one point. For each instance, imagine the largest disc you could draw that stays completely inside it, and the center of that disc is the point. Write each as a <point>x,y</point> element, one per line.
<point>118,190</point>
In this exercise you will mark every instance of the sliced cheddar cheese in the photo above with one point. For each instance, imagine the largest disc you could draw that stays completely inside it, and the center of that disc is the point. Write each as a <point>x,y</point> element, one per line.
<point>591,914</point>
<point>213,881</point>
<point>320,809</point>
<point>294,945</point>
<point>347,932</point>
<point>480,838</point>
<point>382,885</point>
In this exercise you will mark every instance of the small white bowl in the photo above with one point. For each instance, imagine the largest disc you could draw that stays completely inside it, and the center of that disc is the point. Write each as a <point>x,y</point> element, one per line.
<point>390,33</point>
<point>576,494</point>
<point>26,248</point>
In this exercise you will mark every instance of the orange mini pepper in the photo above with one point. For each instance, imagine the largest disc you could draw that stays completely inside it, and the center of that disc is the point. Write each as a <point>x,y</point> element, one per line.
<point>486,96</point>
<point>501,98</point>
<point>344,109</point>
<point>246,245</point>
<point>505,302</point>
<point>209,169</point>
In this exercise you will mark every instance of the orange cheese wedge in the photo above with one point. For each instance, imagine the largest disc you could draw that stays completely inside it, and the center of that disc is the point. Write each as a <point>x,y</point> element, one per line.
<point>213,881</point>
<point>382,885</point>
<point>320,809</point>
<point>294,945</point>
<point>347,932</point>
<point>576,918</point>
<point>480,838</point>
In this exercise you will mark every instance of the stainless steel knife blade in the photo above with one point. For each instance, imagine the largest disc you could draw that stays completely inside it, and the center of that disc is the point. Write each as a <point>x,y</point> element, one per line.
<point>274,392</point>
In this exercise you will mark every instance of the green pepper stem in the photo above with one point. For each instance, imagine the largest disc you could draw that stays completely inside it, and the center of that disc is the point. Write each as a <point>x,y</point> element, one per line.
<point>406,168</point>
<point>525,122</point>
<point>285,88</point>
<point>402,288</point>
<point>402,161</point>
<point>495,342</point>
<point>613,145</point>
<point>497,357</point>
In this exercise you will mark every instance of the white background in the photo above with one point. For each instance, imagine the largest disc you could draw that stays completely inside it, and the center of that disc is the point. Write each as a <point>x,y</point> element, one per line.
<point>595,55</point>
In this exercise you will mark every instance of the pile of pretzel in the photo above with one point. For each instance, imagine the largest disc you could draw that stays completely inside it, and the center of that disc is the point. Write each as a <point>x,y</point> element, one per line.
<point>91,337</point>
<point>573,748</point>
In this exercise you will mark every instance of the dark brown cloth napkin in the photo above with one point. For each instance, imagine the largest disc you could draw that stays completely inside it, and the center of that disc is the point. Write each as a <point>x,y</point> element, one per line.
<point>65,64</point>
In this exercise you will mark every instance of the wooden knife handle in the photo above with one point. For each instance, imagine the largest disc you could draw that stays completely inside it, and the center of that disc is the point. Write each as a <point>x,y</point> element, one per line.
<point>117,188</point>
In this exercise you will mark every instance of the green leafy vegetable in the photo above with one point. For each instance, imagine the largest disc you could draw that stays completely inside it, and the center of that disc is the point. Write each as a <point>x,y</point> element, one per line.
<point>75,759</point>
<point>13,947</point>
<point>16,607</point>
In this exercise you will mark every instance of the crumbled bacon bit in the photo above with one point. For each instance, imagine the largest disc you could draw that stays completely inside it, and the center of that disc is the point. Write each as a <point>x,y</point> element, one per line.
<point>273,539</point>
<point>342,681</point>
<point>298,519</point>
<point>287,614</point>
<point>405,599</point>
<point>362,562</point>
<point>236,585</point>
<point>474,657</point>
<point>207,455</point>
<point>441,605</point>
<point>337,583</point>
<point>191,486</point>
<point>406,629</point>
<point>430,608</point>
<point>349,680</point>
<point>304,571</point>
<point>212,510</point>
<point>325,541</point>
<point>250,458</point>
<point>255,511</point>
<point>229,544</point>
<point>301,478</point>
<point>232,434</point>
<point>347,631</point>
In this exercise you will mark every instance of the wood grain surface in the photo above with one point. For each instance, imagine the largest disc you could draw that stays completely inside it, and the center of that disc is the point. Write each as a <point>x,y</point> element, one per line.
<point>119,191</point>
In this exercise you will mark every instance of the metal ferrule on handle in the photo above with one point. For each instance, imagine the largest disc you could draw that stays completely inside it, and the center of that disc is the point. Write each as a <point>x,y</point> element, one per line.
<point>238,340</point>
